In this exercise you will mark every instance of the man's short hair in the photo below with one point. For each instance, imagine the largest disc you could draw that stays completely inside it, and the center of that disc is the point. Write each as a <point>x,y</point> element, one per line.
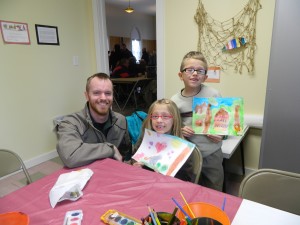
<point>101,76</point>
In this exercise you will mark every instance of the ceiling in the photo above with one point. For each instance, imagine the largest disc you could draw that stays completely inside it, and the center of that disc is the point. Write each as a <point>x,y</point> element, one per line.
<point>140,6</point>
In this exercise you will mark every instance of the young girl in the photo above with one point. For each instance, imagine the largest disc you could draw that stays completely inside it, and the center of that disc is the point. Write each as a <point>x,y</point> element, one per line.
<point>164,118</point>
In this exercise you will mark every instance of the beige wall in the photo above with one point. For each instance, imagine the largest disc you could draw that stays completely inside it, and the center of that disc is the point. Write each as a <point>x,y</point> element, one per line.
<point>181,36</point>
<point>39,82</point>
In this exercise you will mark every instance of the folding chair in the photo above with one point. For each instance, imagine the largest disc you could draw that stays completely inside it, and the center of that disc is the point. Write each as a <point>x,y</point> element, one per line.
<point>11,162</point>
<point>197,164</point>
<point>275,188</point>
<point>135,121</point>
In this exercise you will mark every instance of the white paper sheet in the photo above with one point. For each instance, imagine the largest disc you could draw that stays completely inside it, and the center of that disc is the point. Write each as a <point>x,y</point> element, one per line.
<point>69,186</point>
<point>252,213</point>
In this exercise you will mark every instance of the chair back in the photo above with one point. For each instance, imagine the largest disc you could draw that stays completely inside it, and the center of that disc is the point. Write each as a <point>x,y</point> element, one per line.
<point>275,188</point>
<point>11,162</point>
<point>197,164</point>
<point>135,121</point>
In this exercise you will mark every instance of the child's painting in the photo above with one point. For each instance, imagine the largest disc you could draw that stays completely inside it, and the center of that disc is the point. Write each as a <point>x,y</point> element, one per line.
<point>163,153</point>
<point>223,116</point>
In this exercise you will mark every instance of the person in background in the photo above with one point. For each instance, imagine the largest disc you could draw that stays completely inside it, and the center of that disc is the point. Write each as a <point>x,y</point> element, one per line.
<point>152,58</point>
<point>145,56</point>
<point>193,73</point>
<point>164,118</point>
<point>121,70</point>
<point>125,52</point>
<point>115,57</point>
<point>96,132</point>
<point>132,67</point>
<point>142,67</point>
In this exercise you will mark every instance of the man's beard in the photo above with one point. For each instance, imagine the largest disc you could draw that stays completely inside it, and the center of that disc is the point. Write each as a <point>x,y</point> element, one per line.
<point>102,111</point>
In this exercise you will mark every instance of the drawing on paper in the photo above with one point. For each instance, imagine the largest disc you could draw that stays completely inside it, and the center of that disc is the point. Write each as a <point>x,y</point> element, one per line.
<point>163,153</point>
<point>224,116</point>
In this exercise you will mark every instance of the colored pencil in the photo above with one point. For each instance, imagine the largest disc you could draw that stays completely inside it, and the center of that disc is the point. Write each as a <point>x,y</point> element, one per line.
<point>156,217</point>
<point>152,216</point>
<point>193,215</point>
<point>181,209</point>
<point>224,203</point>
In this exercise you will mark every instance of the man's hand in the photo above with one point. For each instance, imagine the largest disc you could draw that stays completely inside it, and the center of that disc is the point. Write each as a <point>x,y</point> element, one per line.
<point>117,154</point>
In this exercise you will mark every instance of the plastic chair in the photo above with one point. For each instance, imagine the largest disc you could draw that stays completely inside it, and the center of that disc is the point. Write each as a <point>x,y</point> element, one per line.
<point>11,162</point>
<point>197,164</point>
<point>275,188</point>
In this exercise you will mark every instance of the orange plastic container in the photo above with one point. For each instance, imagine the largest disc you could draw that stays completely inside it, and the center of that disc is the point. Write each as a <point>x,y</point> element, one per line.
<point>12,218</point>
<point>202,209</point>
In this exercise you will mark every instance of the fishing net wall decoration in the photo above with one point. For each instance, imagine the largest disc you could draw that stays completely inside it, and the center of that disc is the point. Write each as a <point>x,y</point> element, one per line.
<point>231,43</point>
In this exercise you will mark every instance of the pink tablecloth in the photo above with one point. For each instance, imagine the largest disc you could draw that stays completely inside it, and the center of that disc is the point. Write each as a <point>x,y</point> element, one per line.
<point>114,185</point>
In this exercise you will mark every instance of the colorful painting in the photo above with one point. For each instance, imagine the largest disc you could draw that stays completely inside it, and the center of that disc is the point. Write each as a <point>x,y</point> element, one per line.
<point>163,153</point>
<point>223,116</point>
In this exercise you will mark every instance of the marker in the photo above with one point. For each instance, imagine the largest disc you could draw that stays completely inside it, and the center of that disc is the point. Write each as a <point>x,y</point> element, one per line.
<point>171,221</point>
<point>188,221</point>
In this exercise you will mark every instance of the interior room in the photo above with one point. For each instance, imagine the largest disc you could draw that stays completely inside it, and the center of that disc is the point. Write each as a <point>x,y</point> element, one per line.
<point>41,82</point>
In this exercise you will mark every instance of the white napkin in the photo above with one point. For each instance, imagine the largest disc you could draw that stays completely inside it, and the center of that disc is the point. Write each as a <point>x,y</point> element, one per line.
<point>69,185</point>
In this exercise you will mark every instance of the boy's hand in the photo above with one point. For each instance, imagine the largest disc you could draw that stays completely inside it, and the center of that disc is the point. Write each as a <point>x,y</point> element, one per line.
<point>187,131</point>
<point>215,138</point>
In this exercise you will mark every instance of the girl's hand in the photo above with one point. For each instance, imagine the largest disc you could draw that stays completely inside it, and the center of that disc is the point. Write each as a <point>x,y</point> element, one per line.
<point>215,138</point>
<point>138,164</point>
<point>187,131</point>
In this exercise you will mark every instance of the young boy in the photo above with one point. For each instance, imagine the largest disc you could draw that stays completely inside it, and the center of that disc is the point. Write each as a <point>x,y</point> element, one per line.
<point>193,73</point>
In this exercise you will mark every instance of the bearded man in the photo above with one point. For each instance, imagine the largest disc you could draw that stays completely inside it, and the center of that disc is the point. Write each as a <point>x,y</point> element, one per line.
<point>96,132</point>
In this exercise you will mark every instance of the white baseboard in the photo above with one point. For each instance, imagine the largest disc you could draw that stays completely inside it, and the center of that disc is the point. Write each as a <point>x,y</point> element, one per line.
<point>40,159</point>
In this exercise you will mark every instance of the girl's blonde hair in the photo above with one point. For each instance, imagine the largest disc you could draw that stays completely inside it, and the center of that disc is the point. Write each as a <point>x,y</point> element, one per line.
<point>173,110</point>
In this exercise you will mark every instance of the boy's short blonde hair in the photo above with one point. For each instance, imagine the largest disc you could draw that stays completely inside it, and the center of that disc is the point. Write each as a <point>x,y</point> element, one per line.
<point>193,55</point>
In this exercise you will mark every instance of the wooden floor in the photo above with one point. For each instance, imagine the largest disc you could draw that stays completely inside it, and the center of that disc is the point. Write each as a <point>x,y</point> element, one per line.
<point>18,180</point>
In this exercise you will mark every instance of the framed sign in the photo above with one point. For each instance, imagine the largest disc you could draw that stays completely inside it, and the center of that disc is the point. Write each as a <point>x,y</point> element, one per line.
<point>46,35</point>
<point>14,32</point>
<point>213,74</point>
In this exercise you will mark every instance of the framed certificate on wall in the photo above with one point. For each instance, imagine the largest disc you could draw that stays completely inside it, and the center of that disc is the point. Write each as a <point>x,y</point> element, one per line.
<point>14,32</point>
<point>46,35</point>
